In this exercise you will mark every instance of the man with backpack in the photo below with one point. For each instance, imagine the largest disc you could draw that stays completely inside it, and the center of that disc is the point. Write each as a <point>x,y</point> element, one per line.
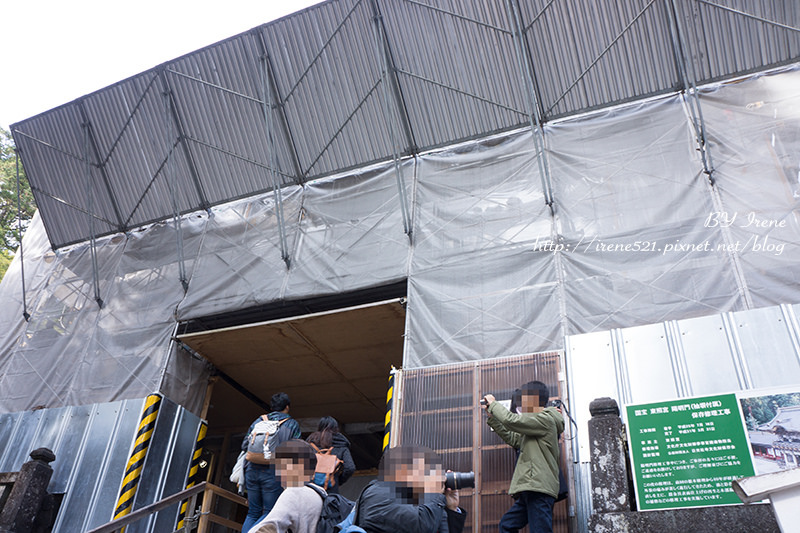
<point>263,488</point>
<point>303,506</point>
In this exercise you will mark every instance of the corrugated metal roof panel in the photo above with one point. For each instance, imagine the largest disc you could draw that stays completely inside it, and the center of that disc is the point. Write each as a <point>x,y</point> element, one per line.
<point>327,67</point>
<point>457,68</point>
<point>458,76</point>
<point>590,54</point>
<point>729,37</point>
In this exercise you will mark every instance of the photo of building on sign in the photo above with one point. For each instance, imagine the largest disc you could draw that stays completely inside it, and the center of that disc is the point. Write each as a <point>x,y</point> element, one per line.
<point>773,428</point>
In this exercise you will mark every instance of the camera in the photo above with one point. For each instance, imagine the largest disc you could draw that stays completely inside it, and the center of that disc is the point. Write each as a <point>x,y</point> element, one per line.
<point>459,480</point>
<point>554,403</point>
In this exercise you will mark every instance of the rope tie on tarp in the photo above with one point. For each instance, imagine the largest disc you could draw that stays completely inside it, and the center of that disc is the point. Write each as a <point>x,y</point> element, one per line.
<point>25,313</point>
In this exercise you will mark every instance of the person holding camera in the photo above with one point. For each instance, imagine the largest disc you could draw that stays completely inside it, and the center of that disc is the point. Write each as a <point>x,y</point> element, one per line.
<point>410,495</point>
<point>534,430</point>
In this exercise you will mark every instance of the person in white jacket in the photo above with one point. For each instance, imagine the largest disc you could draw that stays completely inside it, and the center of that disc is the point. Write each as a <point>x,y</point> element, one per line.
<point>299,506</point>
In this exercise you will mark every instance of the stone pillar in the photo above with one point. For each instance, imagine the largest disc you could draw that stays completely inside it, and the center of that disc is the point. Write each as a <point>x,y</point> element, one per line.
<point>19,515</point>
<point>610,488</point>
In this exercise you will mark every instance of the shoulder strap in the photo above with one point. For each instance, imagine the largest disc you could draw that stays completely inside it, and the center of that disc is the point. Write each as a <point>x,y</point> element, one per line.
<point>324,451</point>
<point>317,489</point>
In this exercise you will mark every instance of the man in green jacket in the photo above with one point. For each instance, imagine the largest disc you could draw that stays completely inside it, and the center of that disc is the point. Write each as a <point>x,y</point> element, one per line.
<point>533,430</point>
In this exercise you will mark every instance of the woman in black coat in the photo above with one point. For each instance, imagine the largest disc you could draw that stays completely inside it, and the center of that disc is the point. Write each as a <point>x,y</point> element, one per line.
<point>328,436</point>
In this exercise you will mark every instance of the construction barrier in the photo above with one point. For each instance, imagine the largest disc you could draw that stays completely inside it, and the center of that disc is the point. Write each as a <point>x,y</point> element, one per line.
<point>134,469</point>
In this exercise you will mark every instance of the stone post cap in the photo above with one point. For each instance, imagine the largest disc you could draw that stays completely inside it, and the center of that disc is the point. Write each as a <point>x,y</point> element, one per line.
<point>44,455</point>
<point>604,407</point>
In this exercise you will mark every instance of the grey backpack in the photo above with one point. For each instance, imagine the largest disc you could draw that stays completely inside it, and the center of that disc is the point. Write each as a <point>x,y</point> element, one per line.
<point>261,442</point>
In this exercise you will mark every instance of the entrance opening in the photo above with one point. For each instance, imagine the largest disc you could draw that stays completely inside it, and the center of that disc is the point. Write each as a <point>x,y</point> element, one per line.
<point>332,363</point>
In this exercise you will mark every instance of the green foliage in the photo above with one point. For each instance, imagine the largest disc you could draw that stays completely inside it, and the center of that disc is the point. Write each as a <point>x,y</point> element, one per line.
<point>5,260</point>
<point>9,227</point>
<point>761,409</point>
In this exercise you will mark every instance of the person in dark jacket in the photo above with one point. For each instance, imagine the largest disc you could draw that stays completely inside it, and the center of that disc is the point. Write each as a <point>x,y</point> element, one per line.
<point>328,436</point>
<point>409,496</point>
<point>263,488</point>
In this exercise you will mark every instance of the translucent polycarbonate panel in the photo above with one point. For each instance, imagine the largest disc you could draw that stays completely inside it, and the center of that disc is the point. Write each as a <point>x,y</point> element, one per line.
<point>649,363</point>
<point>437,412</point>
<point>768,331</point>
<point>352,234</point>
<point>240,263</point>
<point>439,409</point>
<point>754,135</point>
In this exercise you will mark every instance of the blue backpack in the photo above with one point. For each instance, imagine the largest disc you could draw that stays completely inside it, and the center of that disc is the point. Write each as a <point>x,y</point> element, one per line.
<point>348,525</point>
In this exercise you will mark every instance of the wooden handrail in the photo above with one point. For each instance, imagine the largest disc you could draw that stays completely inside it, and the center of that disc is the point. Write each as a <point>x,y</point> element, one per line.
<point>116,525</point>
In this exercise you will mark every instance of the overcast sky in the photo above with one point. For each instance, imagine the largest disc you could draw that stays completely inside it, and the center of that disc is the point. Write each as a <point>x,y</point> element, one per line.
<point>55,51</point>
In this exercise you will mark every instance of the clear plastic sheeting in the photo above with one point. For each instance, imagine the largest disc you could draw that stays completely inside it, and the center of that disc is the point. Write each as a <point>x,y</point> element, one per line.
<point>478,283</point>
<point>755,142</point>
<point>240,261</point>
<point>351,234</point>
<point>631,208</point>
<point>636,236</point>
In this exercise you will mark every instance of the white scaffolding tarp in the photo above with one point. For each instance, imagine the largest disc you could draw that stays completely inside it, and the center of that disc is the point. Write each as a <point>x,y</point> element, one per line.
<point>636,237</point>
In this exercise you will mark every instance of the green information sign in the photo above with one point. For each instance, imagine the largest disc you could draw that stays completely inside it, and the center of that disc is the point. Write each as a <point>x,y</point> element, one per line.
<point>686,453</point>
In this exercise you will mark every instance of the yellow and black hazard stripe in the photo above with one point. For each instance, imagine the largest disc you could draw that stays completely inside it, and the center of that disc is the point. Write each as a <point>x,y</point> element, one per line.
<point>194,470</point>
<point>134,469</point>
<point>387,426</point>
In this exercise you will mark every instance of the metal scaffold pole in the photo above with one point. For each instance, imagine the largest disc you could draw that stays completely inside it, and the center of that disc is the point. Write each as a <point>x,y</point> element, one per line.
<point>19,229</point>
<point>273,161</point>
<point>172,183</point>
<point>386,80</point>
<point>90,214</point>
